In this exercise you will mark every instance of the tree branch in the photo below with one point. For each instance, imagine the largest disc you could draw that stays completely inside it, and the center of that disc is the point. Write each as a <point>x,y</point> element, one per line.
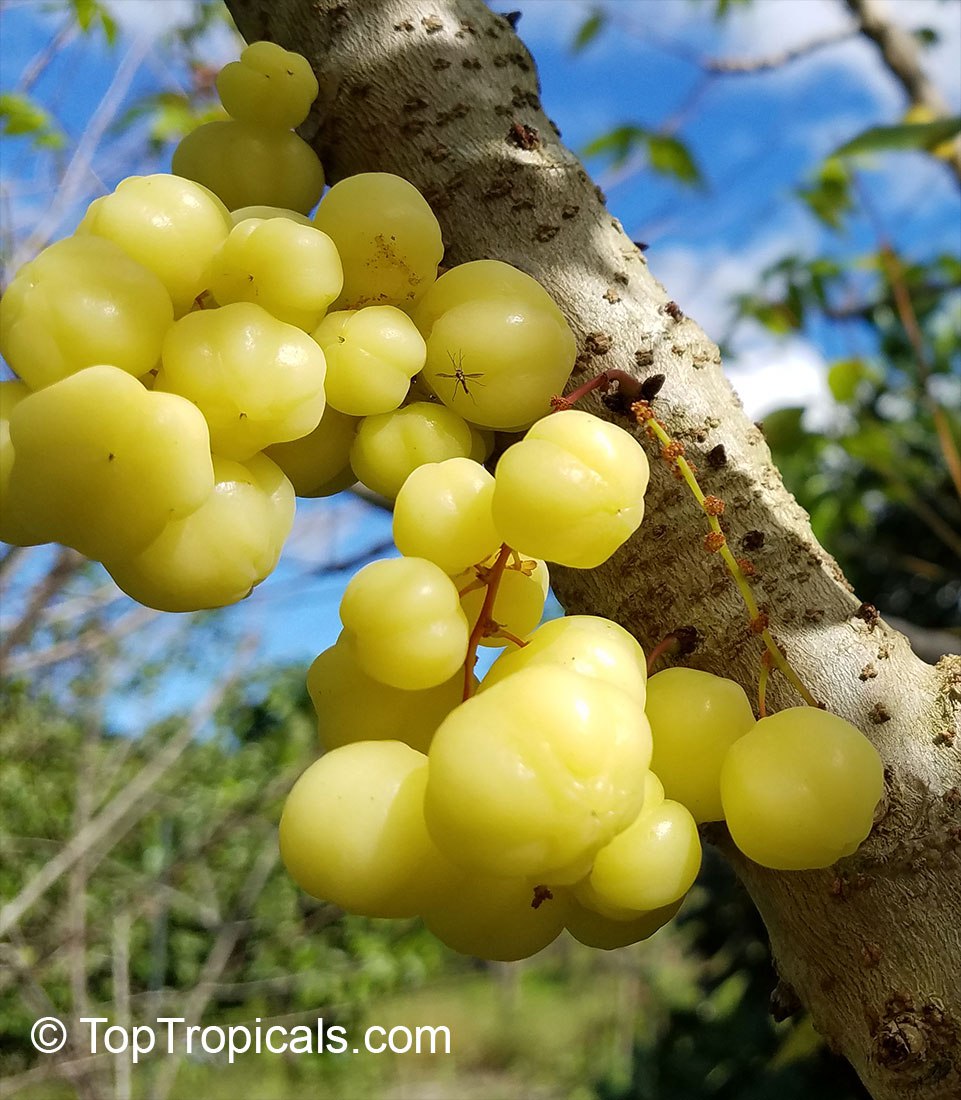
<point>745,66</point>
<point>901,55</point>
<point>430,89</point>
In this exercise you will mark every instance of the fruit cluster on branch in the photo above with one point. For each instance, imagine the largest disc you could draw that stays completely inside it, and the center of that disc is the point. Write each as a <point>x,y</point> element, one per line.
<point>201,351</point>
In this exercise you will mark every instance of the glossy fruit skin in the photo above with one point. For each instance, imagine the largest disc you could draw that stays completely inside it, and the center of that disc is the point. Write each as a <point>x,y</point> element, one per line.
<point>268,86</point>
<point>389,447</point>
<point>491,917</point>
<point>652,863</point>
<point>170,225</point>
<point>12,529</point>
<point>443,513</point>
<point>256,380</point>
<point>387,237</point>
<point>695,718</point>
<point>800,789</point>
<point>220,552</point>
<point>318,464</point>
<point>518,604</point>
<point>82,302</point>
<point>103,465</point>
<point>586,644</point>
<point>242,213</point>
<point>352,706</point>
<point>249,165</point>
<point>352,831</point>
<point>292,270</point>
<point>372,354</point>
<point>572,490</point>
<point>498,361</point>
<point>532,777</point>
<point>480,280</point>
<point>403,623</point>
<point>595,930</point>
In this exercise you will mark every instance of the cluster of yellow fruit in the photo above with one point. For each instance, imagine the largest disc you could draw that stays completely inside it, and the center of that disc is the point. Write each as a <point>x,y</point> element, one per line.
<point>565,793</point>
<point>200,351</point>
<point>186,367</point>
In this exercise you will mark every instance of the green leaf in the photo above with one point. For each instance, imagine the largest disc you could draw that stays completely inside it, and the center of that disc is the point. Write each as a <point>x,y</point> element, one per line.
<point>725,6</point>
<point>916,135</point>
<point>927,36</point>
<point>618,144</point>
<point>20,116</point>
<point>666,154</point>
<point>91,12</point>
<point>844,378</point>
<point>783,430</point>
<point>829,196</point>
<point>589,30</point>
<point>84,12</point>
<point>671,157</point>
<point>109,25</point>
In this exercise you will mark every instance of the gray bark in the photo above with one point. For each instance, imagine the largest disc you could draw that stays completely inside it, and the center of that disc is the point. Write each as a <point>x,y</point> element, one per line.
<point>435,90</point>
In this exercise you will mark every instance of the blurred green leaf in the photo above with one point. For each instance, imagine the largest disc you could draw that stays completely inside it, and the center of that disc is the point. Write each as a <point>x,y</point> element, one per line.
<point>724,7</point>
<point>927,36</point>
<point>589,30</point>
<point>618,144</point>
<point>20,116</point>
<point>783,430</point>
<point>916,135</point>
<point>88,13</point>
<point>875,446</point>
<point>667,155</point>
<point>844,378</point>
<point>169,115</point>
<point>829,196</point>
<point>671,157</point>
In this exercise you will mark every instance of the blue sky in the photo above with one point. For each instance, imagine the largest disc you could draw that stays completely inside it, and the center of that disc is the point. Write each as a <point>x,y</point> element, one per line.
<point>755,137</point>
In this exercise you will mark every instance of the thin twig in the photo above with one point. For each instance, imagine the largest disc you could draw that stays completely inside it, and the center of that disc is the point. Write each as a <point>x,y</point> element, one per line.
<point>125,808</point>
<point>484,619</point>
<point>745,66</point>
<point>758,620</point>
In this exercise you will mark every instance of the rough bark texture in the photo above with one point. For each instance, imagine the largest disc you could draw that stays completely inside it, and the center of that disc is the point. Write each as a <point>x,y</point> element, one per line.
<point>443,93</point>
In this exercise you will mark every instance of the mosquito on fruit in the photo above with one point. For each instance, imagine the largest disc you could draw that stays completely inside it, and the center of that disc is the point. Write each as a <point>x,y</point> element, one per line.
<point>460,378</point>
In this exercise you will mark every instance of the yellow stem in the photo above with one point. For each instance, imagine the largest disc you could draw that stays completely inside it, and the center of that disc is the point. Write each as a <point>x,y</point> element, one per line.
<point>737,574</point>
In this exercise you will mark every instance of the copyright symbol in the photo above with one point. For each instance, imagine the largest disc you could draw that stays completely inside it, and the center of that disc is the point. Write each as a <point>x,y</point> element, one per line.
<point>48,1035</point>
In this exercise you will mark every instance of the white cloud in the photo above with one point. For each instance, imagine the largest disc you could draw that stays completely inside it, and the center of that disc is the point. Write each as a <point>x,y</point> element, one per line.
<point>770,373</point>
<point>153,19</point>
<point>147,17</point>
<point>703,280</point>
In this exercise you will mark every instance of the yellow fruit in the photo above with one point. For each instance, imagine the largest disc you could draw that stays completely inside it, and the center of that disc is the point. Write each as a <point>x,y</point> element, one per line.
<point>318,464</point>
<point>268,86</point>
<point>800,789</point>
<point>387,237</point>
<point>352,706</point>
<point>81,303</point>
<point>220,552</point>
<point>535,775</point>
<point>403,623</point>
<point>250,165</point>
<point>172,226</point>
<point>572,490</point>
<point>103,465</point>
<point>352,831</point>
<point>256,380</point>
<point>695,718</point>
